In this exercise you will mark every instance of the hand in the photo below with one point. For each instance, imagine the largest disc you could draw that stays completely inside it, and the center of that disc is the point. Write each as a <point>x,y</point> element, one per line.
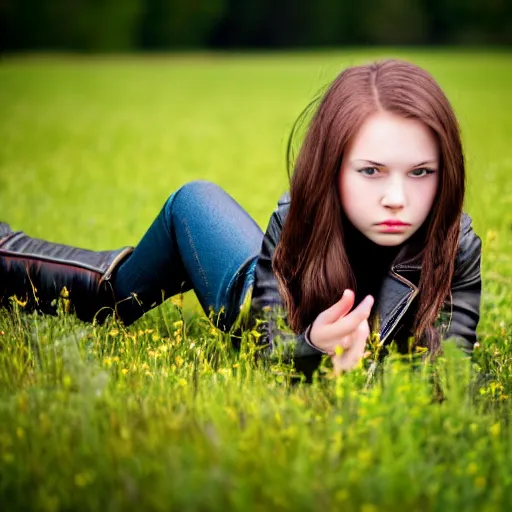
<point>351,357</point>
<point>336,327</point>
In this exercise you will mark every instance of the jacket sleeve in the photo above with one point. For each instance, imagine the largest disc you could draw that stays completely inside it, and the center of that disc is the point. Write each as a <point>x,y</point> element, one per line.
<point>267,306</point>
<point>463,310</point>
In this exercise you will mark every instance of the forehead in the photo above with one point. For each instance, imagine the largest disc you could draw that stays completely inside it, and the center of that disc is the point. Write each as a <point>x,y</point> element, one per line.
<point>391,139</point>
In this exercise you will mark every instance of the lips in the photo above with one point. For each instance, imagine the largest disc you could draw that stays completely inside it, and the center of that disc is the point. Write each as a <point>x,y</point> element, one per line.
<point>393,223</point>
<point>392,228</point>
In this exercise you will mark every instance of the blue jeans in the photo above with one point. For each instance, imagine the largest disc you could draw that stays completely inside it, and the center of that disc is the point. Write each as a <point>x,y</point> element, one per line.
<point>201,240</point>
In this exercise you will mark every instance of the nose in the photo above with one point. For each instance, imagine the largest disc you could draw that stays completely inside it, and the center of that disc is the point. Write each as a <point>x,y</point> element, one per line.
<point>394,194</point>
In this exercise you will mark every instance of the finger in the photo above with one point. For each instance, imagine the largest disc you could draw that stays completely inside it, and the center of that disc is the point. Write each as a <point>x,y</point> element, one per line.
<point>350,342</point>
<point>355,353</point>
<point>344,362</point>
<point>360,337</point>
<point>338,309</point>
<point>350,322</point>
<point>360,340</point>
<point>337,364</point>
<point>345,343</point>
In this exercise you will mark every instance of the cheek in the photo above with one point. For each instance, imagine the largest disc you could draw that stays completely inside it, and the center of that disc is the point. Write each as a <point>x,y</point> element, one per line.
<point>352,193</point>
<point>424,196</point>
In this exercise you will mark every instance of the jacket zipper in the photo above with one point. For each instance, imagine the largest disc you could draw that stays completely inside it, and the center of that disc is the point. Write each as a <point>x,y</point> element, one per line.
<point>414,289</point>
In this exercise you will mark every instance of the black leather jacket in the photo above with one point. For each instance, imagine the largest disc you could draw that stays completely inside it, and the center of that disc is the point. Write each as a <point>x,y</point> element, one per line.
<point>396,303</point>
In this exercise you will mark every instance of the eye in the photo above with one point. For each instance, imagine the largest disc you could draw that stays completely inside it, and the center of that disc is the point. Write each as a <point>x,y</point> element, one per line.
<point>369,173</point>
<point>427,172</point>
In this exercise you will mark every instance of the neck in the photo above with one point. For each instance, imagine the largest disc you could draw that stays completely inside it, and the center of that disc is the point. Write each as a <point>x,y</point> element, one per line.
<point>363,252</point>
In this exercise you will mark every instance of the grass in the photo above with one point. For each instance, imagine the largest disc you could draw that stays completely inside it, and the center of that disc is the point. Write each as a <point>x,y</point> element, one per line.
<point>164,414</point>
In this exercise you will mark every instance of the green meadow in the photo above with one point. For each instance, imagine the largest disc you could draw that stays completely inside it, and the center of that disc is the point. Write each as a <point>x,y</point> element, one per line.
<point>164,414</point>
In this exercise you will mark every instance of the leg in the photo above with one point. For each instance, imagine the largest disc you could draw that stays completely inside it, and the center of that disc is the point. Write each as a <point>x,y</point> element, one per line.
<point>202,239</point>
<point>37,271</point>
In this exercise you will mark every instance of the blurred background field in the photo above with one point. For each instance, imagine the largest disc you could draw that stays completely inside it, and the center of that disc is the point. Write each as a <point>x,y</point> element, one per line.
<point>93,146</point>
<point>162,415</point>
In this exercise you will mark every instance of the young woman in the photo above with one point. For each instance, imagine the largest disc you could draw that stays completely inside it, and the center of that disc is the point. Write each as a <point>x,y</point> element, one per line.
<point>373,217</point>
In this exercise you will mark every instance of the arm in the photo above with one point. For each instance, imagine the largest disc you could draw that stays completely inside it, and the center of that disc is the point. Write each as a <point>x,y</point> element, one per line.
<point>267,304</point>
<point>463,310</point>
<point>335,326</point>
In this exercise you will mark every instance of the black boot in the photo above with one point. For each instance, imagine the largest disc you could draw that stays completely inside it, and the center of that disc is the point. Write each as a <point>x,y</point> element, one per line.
<point>5,230</point>
<point>37,271</point>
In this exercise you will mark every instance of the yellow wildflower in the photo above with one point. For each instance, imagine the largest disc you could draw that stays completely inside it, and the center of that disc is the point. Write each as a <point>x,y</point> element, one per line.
<point>480,482</point>
<point>338,350</point>
<point>495,430</point>
<point>491,235</point>
<point>472,468</point>
<point>84,478</point>
<point>341,495</point>
<point>368,507</point>
<point>66,381</point>
<point>19,302</point>
<point>177,300</point>
<point>365,456</point>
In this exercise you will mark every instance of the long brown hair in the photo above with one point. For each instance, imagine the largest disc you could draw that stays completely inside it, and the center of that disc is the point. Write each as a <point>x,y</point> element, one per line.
<point>310,261</point>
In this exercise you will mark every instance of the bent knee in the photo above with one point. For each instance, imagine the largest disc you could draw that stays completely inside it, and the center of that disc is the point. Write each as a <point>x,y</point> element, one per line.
<point>195,193</point>
<point>199,187</point>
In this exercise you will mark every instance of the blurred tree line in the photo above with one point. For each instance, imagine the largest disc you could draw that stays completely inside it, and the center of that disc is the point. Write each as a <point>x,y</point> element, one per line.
<point>123,25</point>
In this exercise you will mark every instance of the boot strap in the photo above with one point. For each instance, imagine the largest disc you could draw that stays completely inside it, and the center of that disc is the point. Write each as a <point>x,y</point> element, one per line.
<point>17,244</point>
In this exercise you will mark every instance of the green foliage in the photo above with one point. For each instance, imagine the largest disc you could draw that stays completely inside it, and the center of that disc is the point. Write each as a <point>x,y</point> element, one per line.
<point>114,25</point>
<point>179,23</point>
<point>84,25</point>
<point>165,414</point>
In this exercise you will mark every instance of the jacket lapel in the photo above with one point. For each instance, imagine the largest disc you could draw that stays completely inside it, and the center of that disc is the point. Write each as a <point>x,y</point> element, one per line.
<point>400,286</point>
<point>396,296</point>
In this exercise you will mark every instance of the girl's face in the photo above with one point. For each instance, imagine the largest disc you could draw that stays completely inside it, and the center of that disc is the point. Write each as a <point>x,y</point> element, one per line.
<point>389,171</point>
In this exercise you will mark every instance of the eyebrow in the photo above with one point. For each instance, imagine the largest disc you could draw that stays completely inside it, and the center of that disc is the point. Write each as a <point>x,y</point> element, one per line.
<point>384,165</point>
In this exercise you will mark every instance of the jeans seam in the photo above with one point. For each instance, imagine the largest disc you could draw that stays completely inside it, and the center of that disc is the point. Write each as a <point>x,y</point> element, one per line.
<point>196,257</point>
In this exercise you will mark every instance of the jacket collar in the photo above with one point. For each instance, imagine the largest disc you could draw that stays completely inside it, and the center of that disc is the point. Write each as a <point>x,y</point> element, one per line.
<point>399,287</point>
<point>396,295</point>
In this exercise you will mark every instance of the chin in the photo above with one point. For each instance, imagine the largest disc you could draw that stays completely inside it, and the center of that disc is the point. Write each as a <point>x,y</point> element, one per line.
<point>388,240</point>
